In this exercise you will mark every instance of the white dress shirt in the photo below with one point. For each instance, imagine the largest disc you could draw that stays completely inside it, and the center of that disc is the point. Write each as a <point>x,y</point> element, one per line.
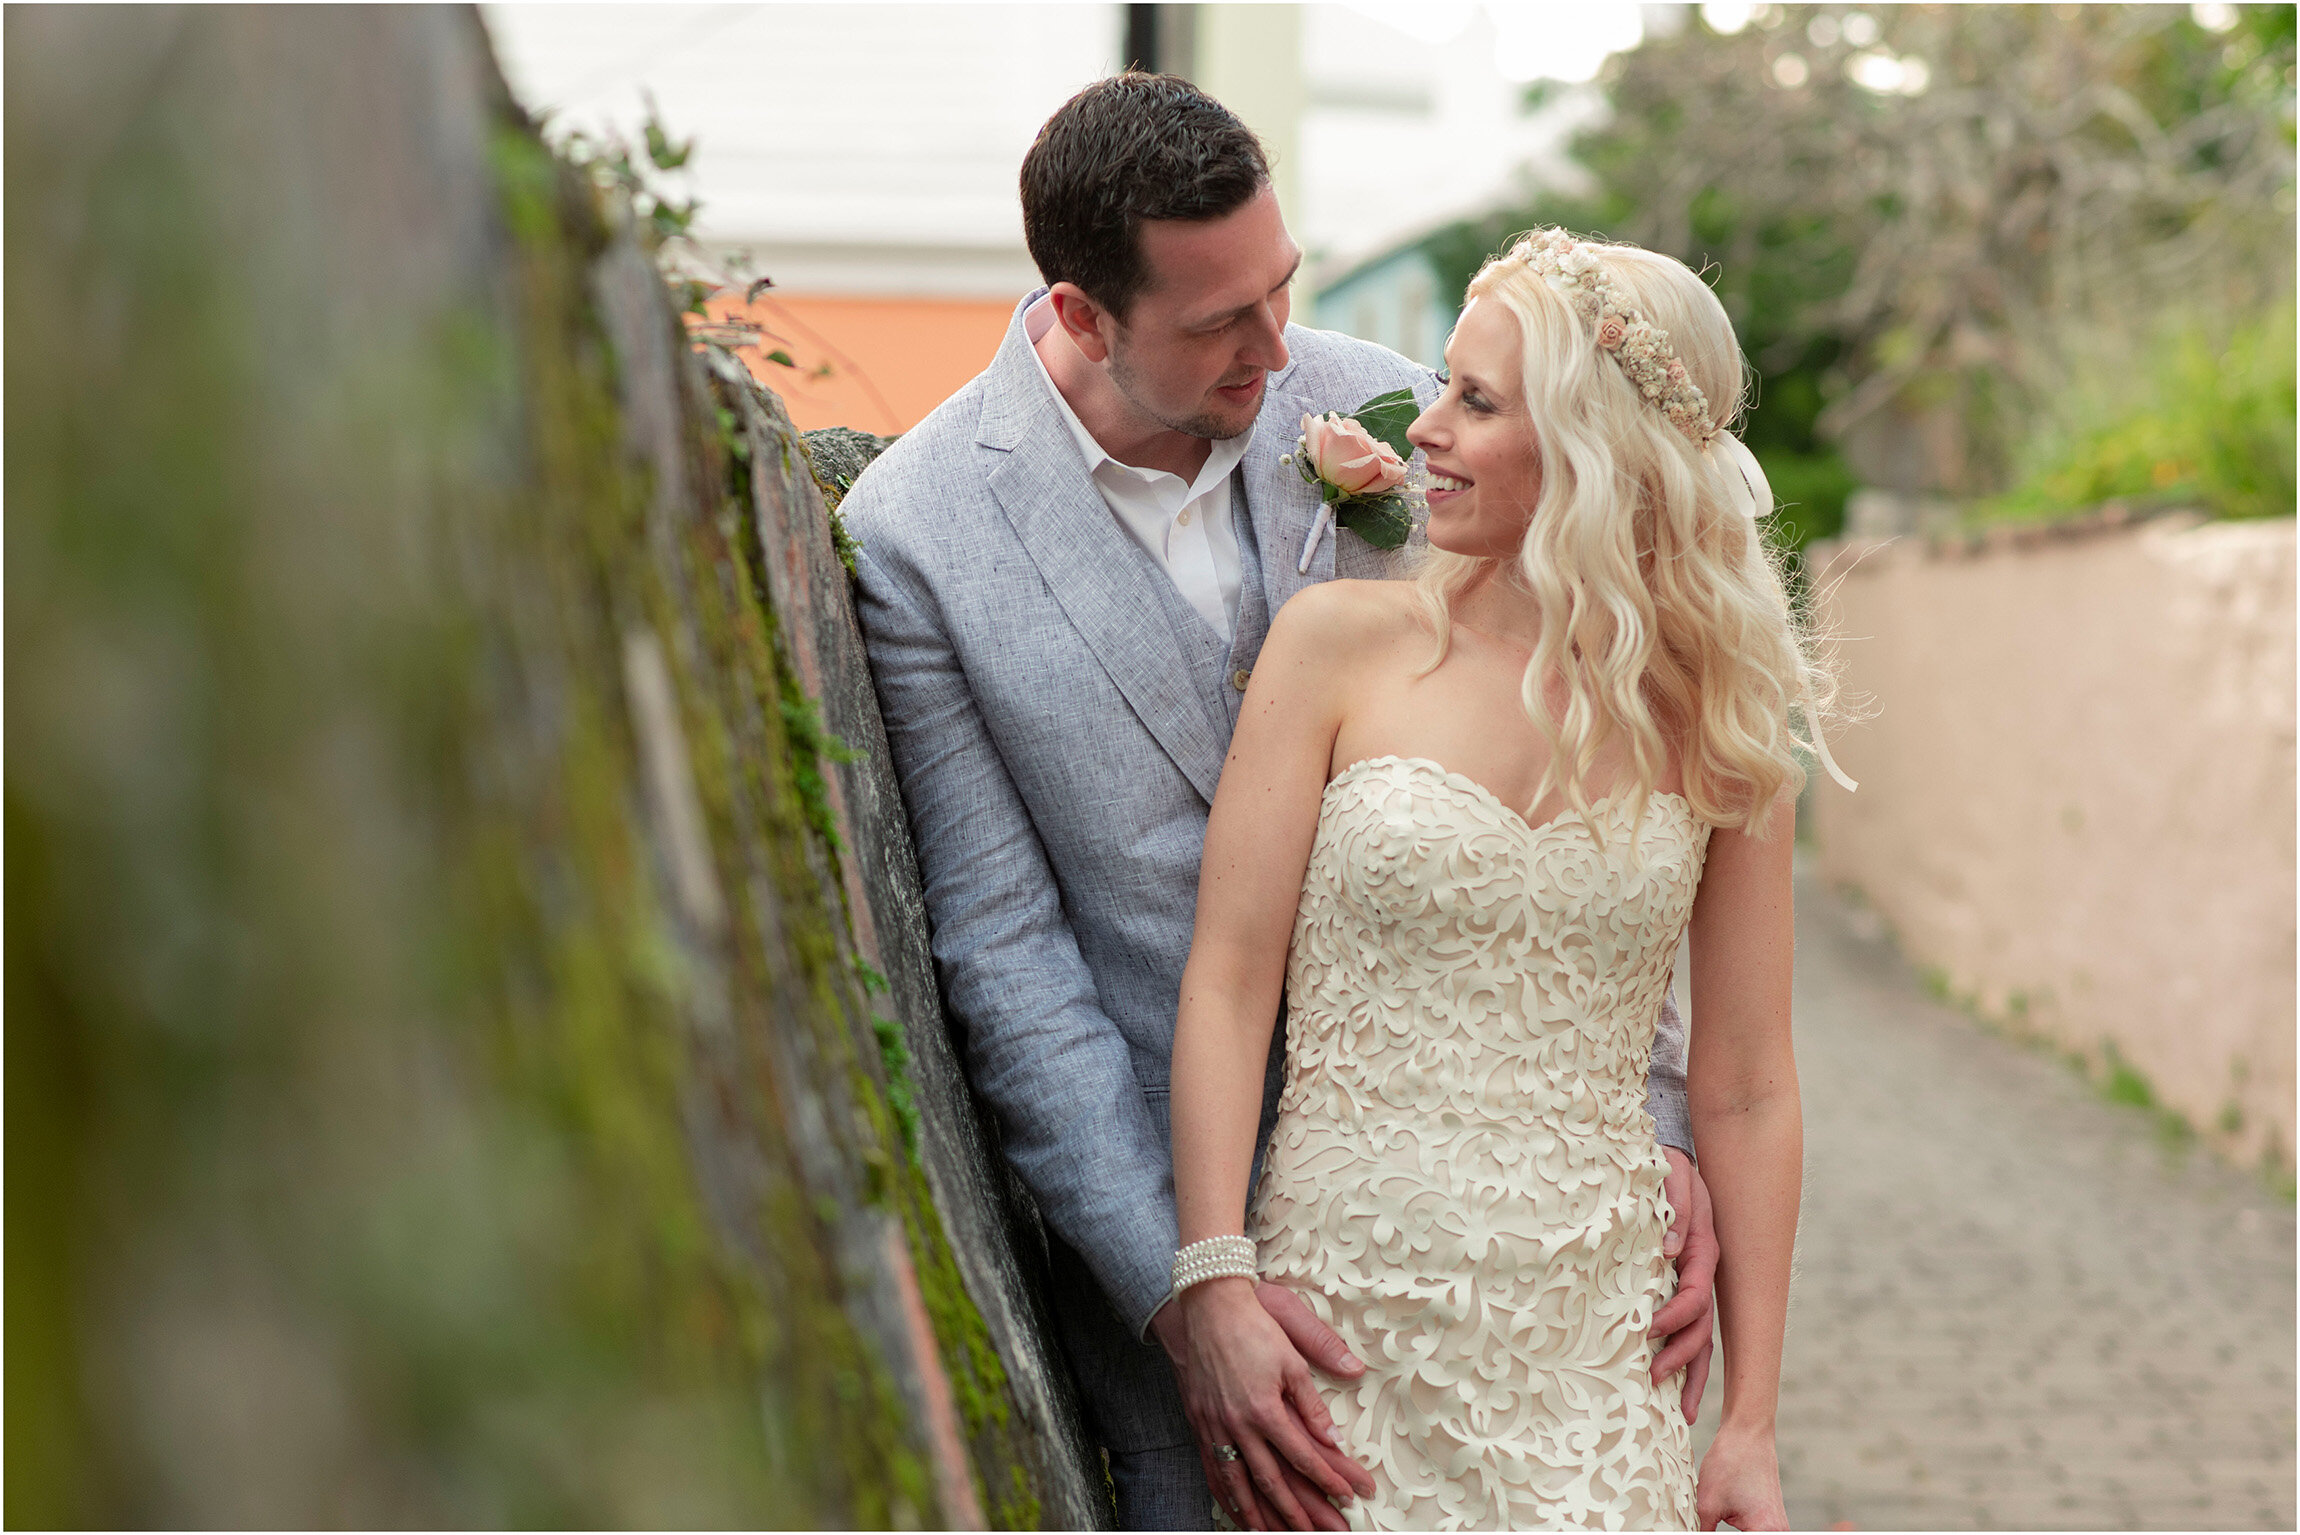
<point>1186,527</point>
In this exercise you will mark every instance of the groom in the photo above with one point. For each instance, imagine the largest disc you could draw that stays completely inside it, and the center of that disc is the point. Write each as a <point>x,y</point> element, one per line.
<point>1067,572</point>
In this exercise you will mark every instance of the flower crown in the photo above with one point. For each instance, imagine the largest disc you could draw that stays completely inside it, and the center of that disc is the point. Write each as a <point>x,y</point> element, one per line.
<point>1574,273</point>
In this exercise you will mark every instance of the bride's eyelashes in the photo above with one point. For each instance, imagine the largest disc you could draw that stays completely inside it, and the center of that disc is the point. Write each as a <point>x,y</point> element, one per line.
<point>1470,397</point>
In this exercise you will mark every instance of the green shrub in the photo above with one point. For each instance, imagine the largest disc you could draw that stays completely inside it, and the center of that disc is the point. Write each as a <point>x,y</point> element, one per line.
<point>2213,428</point>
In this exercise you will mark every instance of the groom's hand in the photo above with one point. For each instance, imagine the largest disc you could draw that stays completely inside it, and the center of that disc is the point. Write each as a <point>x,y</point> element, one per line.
<point>1689,1320</point>
<point>1288,1466</point>
<point>1324,1349</point>
<point>1312,1339</point>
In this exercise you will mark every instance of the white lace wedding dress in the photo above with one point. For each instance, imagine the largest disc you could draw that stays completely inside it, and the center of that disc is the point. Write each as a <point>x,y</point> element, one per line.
<point>1463,1181</point>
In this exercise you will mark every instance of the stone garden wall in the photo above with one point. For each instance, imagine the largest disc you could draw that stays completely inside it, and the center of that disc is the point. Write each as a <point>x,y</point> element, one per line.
<point>472,1055</point>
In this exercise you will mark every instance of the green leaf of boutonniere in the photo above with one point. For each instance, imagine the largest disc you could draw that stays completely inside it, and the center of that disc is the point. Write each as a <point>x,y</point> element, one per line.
<point>1382,521</point>
<point>1386,417</point>
<point>1383,518</point>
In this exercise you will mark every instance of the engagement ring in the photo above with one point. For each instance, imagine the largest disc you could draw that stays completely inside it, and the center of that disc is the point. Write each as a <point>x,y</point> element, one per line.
<point>1225,1452</point>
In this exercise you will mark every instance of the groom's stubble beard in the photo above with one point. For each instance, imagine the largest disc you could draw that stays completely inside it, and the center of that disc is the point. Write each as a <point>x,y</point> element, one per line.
<point>1211,425</point>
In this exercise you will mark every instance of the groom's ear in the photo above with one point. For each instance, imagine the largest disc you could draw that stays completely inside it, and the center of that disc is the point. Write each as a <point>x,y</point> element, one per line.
<point>1085,322</point>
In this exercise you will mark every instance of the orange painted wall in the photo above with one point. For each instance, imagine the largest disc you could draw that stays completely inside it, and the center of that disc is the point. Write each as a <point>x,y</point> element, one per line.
<point>875,364</point>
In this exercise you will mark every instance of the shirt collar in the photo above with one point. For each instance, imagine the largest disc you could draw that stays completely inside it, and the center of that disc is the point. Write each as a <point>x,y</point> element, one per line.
<point>1220,461</point>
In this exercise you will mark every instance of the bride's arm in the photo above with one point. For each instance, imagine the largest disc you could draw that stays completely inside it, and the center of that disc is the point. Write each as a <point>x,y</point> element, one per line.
<point>1258,839</point>
<point>1742,1089</point>
<point>1243,1382</point>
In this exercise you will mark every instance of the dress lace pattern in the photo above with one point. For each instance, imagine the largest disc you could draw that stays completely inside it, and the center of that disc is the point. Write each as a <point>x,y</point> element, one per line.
<point>1463,1181</point>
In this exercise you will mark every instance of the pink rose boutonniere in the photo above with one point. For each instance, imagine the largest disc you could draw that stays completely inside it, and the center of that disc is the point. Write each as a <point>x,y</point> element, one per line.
<point>1346,456</point>
<point>1358,464</point>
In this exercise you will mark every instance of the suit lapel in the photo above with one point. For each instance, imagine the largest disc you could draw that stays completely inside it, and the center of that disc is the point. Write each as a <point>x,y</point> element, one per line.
<point>1253,624</point>
<point>1106,586</point>
<point>1284,507</point>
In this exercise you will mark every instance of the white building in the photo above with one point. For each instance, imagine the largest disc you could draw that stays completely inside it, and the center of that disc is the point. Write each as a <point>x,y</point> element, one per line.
<point>868,153</point>
<point>863,147</point>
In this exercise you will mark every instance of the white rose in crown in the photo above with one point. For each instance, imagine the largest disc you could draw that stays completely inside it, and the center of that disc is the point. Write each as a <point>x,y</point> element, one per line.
<point>1358,464</point>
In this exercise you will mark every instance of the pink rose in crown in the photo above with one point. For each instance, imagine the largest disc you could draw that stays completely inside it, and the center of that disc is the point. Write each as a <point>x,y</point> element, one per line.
<point>1610,330</point>
<point>1348,457</point>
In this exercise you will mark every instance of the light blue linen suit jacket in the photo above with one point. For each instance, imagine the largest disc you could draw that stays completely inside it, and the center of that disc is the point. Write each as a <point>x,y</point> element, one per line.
<point>1059,715</point>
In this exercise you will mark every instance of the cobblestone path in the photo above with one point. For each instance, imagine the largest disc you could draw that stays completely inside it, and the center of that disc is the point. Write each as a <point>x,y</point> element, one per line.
<point>2014,1308</point>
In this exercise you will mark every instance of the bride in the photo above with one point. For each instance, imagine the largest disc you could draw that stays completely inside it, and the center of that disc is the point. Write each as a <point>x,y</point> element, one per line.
<point>1462,826</point>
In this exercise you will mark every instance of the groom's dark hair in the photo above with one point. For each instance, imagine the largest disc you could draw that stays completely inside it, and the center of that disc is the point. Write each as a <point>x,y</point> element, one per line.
<point>1124,150</point>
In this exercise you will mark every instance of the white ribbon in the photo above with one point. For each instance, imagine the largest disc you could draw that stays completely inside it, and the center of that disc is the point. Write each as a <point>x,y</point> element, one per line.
<point>1747,489</point>
<point>1752,493</point>
<point>1310,544</point>
<point>1821,747</point>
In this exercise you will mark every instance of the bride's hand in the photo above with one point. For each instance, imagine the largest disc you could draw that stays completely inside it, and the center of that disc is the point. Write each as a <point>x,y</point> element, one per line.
<point>1245,1384</point>
<point>1740,1482</point>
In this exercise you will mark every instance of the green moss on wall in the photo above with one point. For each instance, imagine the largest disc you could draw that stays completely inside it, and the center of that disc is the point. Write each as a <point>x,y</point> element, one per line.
<point>977,1377</point>
<point>371,1064</point>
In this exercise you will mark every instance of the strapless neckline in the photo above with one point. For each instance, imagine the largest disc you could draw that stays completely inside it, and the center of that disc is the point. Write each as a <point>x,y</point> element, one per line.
<point>1604,805</point>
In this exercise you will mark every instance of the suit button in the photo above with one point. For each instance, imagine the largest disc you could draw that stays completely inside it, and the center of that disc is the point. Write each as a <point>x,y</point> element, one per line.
<point>1239,679</point>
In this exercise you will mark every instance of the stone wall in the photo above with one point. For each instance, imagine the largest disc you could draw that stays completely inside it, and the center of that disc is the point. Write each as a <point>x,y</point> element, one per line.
<point>472,1056</point>
<point>2076,802</point>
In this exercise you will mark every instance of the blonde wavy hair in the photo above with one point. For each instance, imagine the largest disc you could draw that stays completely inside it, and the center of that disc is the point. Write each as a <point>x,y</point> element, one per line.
<point>1661,607</point>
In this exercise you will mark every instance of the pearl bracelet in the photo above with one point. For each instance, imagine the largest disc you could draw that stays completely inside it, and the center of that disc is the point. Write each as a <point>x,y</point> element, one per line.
<point>1214,1258</point>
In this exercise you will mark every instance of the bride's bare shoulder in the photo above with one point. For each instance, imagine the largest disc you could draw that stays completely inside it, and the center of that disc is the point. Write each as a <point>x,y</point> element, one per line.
<point>1336,619</point>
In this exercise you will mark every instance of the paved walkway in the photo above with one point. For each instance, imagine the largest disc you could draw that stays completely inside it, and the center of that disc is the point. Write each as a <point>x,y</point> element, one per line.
<point>2014,1309</point>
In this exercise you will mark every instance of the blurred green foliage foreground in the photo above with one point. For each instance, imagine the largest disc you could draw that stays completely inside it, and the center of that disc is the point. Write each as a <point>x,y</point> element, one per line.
<point>2019,258</point>
<point>442,1085</point>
